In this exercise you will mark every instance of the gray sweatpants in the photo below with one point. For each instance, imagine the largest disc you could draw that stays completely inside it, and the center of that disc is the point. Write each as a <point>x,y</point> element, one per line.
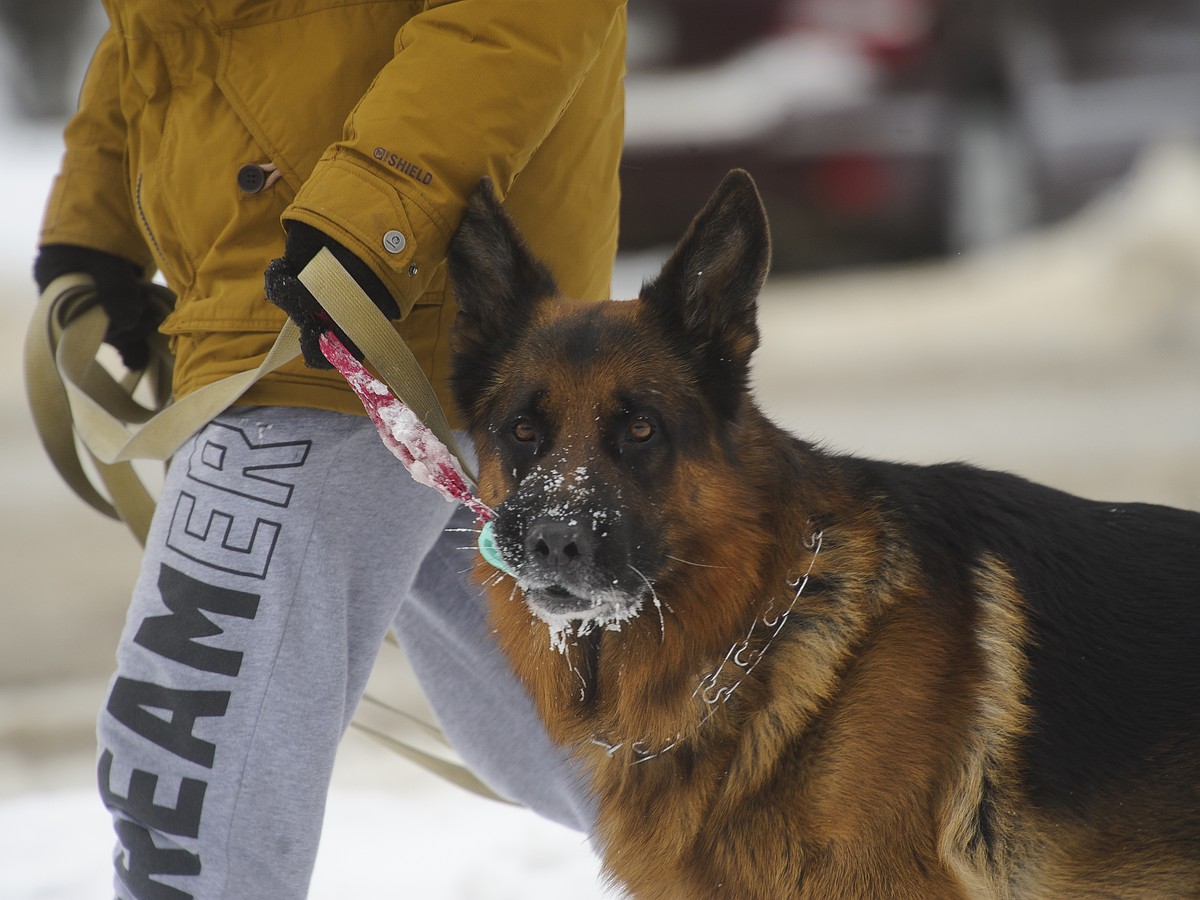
<point>285,544</point>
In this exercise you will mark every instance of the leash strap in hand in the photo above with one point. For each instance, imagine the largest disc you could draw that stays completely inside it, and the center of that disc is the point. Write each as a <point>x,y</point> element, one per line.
<point>70,394</point>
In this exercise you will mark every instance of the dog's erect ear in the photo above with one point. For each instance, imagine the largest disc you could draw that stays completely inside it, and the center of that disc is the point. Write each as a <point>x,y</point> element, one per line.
<point>496,280</point>
<point>707,291</point>
<point>494,275</point>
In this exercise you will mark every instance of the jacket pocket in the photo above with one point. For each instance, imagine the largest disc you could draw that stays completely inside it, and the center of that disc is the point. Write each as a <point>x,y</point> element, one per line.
<point>144,222</point>
<point>320,65</point>
<point>153,207</point>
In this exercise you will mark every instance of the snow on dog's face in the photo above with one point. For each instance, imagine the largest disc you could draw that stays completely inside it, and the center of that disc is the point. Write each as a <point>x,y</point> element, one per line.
<point>602,428</point>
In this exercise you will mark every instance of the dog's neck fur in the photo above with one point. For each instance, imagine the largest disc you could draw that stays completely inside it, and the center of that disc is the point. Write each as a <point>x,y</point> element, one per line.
<point>717,687</point>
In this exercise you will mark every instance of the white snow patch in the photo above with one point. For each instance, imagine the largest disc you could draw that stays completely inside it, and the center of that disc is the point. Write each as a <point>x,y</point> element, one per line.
<point>748,93</point>
<point>611,611</point>
<point>434,843</point>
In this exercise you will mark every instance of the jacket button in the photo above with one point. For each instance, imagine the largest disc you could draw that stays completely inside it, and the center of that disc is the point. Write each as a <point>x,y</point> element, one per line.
<point>394,242</point>
<point>251,178</point>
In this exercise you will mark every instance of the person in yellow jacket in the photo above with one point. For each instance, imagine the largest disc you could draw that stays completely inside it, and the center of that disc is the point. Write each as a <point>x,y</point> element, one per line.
<point>212,138</point>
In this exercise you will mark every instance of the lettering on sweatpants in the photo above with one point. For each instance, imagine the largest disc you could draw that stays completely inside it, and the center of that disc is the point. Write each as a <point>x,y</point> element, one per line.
<point>213,539</point>
<point>174,636</point>
<point>146,859</point>
<point>182,818</point>
<point>130,702</point>
<point>227,462</point>
<point>227,459</point>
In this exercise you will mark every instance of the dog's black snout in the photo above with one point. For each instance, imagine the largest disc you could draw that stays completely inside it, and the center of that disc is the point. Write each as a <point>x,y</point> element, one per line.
<point>557,544</point>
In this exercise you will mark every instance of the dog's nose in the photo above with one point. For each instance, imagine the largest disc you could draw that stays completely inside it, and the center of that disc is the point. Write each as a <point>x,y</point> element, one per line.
<point>555,544</point>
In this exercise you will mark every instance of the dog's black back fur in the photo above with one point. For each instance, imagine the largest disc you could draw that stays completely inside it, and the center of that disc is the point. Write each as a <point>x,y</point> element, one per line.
<point>1113,598</point>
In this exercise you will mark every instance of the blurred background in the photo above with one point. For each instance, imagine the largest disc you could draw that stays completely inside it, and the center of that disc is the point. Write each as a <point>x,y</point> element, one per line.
<point>986,216</point>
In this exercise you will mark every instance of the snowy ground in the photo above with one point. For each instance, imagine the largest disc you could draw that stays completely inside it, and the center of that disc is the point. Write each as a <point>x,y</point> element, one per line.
<point>426,842</point>
<point>1072,358</point>
<point>379,842</point>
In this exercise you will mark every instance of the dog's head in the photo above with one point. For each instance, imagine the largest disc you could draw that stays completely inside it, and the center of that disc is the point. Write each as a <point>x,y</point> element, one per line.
<point>603,428</point>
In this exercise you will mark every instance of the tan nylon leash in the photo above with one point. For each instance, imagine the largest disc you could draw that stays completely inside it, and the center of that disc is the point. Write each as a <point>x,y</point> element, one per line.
<point>72,396</point>
<point>67,313</point>
<point>70,393</point>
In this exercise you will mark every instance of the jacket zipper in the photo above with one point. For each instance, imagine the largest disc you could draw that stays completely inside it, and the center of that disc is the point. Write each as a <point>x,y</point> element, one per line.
<point>146,222</point>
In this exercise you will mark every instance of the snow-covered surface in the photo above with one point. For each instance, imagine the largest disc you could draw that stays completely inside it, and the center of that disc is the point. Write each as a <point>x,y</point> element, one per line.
<point>796,72</point>
<point>430,844</point>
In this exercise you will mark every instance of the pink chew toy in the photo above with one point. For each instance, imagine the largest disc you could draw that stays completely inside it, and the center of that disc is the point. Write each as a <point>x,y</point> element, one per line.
<point>411,441</point>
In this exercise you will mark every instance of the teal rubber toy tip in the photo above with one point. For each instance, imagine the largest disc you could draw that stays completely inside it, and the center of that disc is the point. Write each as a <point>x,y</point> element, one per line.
<point>490,552</point>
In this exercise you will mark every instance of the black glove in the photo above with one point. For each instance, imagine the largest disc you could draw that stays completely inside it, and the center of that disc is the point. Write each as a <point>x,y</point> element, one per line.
<point>285,290</point>
<point>121,289</point>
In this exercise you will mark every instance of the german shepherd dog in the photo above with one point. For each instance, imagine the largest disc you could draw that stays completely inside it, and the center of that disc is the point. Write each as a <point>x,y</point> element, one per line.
<point>797,674</point>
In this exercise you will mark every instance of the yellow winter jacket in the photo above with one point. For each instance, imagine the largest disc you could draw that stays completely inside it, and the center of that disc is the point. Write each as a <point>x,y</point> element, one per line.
<point>379,116</point>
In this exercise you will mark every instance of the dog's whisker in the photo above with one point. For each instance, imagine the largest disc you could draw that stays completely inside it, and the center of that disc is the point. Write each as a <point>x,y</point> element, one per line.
<point>662,622</point>
<point>688,562</point>
<point>582,680</point>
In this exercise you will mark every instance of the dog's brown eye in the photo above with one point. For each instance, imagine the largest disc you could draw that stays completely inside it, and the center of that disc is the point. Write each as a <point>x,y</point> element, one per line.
<point>524,431</point>
<point>641,430</point>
